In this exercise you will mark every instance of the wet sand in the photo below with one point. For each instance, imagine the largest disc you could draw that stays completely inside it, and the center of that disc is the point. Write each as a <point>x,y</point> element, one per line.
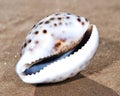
<point>100,78</point>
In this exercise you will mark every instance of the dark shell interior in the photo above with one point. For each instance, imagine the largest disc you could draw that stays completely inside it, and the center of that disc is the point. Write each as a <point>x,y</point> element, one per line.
<point>39,65</point>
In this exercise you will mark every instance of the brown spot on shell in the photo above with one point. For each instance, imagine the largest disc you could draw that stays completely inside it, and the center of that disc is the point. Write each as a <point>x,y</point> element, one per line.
<point>60,23</point>
<point>55,24</point>
<point>57,44</point>
<point>82,23</point>
<point>25,44</point>
<point>29,40</point>
<point>79,20</point>
<point>36,32</point>
<point>59,18</point>
<point>52,18</point>
<point>68,17</point>
<point>40,23</point>
<point>47,22</point>
<point>86,19</point>
<point>36,42</point>
<point>44,31</point>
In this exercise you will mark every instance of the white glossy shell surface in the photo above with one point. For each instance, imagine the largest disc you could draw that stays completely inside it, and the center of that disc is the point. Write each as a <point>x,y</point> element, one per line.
<point>51,35</point>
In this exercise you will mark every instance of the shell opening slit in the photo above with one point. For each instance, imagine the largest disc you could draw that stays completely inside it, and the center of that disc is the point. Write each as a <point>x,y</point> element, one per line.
<point>40,64</point>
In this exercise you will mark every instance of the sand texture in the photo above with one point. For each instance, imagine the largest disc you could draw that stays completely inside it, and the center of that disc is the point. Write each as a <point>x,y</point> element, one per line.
<point>100,78</point>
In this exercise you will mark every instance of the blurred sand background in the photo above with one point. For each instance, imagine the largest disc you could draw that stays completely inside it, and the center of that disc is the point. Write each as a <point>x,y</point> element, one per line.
<point>100,78</point>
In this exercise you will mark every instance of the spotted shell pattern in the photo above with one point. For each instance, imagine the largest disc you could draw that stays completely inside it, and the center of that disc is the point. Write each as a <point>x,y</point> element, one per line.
<point>52,35</point>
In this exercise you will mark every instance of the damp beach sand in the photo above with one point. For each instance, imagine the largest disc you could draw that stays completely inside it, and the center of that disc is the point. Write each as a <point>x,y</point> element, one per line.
<point>100,78</point>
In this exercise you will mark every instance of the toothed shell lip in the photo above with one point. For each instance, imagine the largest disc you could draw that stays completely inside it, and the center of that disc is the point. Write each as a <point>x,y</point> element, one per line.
<point>64,68</point>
